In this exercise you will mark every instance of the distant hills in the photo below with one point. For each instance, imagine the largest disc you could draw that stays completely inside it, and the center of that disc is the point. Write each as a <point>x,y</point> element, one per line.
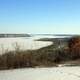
<point>14,35</point>
<point>58,34</point>
<point>4,35</point>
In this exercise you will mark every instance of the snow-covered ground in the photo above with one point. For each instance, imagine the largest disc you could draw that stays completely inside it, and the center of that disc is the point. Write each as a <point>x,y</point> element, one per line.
<point>56,73</point>
<point>25,43</point>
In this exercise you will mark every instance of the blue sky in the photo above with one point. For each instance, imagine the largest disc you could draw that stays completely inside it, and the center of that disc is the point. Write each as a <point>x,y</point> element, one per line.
<point>40,16</point>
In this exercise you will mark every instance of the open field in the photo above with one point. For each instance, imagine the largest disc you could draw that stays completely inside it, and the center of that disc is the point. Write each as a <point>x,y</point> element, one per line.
<point>24,43</point>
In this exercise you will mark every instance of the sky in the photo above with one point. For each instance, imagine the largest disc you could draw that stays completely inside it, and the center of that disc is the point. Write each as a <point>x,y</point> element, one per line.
<point>40,16</point>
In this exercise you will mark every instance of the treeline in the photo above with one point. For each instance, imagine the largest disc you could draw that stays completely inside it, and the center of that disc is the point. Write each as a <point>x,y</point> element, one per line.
<point>14,35</point>
<point>44,57</point>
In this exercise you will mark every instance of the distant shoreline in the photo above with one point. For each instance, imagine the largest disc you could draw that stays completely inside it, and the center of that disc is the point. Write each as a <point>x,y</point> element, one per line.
<point>14,35</point>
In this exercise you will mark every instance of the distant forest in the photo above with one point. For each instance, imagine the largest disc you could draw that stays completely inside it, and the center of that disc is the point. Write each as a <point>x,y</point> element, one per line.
<point>14,35</point>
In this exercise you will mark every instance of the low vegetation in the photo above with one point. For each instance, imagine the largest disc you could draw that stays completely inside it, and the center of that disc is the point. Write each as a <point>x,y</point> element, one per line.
<point>61,51</point>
